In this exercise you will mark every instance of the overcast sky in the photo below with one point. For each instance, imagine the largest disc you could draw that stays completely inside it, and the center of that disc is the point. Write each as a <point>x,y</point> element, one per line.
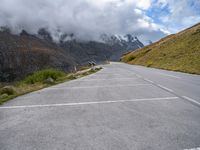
<point>87,19</point>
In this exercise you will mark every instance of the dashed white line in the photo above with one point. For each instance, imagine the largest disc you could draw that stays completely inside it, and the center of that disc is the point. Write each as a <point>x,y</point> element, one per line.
<point>108,79</point>
<point>191,100</point>
<point>103,86</point>
<point>114,74</point>
<point>163,87</point>
<point>89,103</point>
<point>149,81</point>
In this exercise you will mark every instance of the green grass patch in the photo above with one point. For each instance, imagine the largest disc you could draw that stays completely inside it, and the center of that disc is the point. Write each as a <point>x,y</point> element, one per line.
<point>39,80</point>
<point>43,75</point>
<point>131,57</point>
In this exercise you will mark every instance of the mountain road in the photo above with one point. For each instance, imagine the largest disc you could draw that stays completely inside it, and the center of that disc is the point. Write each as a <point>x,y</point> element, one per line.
<point>121,107</point>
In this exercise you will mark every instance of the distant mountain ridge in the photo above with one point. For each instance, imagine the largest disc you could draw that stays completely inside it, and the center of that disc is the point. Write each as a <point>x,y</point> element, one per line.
<point>109,47</point>
<point>127,40</point>
<point>25,53</point>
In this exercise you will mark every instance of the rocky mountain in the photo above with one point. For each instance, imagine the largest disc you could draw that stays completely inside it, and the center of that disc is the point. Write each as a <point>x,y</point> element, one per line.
<point>121,44</point>
<point>25,53</point>
<point>83,52</point>
<point>109,47</point>
<point>128,41</point>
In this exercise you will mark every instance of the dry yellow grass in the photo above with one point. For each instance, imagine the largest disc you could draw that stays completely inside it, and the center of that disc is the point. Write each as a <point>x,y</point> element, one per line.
<point>178,52</point>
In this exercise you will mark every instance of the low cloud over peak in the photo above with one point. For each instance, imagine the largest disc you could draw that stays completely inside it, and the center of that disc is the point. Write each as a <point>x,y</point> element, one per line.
<point>86,19</point>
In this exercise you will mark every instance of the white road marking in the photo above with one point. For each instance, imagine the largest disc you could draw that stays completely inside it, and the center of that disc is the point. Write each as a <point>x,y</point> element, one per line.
<point>103,86</point>
<point>89,103</point>
<point>163,87</point>
<point>149,80</point>
<point>113,74</point>
<point>191,100</point>
<point>139,76</point>
<point>169,75</point>
<point>109,79</point>
<point>197,148</point>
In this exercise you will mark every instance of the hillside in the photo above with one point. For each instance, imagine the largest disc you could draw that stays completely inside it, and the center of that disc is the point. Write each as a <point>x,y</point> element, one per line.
<point>23,54</point>
<point>178,52</point>
<point>99,51</point>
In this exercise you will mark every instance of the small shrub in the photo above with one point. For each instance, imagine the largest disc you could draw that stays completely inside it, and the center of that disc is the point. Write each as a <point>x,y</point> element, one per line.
<point>71,77</point>
<point>43,75</point>
<point>132,57</point>
<point>85,73</point>
<point>98,68</point>
<point>84,68</point>
<point>7,90</point>
<point>91,71</point>
<point>3,96</point>
<point>149,64</point>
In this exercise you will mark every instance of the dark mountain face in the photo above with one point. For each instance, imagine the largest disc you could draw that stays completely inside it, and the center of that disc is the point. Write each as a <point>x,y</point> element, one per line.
<point>110,48</point>
<point>89,51</point>
<point>23,54</point>
<point>45,35</point>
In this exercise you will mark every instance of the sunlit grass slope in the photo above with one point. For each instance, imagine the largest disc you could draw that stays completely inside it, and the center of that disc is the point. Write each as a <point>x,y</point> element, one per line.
<point>178,52</point>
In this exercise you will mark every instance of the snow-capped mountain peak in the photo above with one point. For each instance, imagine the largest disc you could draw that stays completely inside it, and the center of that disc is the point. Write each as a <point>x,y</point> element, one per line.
<point>128,41</point>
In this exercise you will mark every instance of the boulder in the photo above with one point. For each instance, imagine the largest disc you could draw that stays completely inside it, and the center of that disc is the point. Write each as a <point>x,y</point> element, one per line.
<point>49,80</point>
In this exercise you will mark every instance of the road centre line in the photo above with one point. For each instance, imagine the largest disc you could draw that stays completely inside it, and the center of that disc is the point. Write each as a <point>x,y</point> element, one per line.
<point>165,88</point>
<point>153,83</point>
<point>88,103</point>
<point>159,85</point>
<point>171,91</point>
<point>191,100</point>
<point>149,81</point>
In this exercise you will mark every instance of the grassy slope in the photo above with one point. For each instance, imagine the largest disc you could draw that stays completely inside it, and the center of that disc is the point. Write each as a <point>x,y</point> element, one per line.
<point>38,81</point>
<point>179,52</point>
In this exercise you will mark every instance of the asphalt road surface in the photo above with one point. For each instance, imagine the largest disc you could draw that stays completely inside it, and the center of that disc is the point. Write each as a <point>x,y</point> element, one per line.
<point>122,107</point>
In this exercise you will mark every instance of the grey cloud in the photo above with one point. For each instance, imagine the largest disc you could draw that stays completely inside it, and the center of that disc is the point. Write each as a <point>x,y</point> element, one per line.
<point>81,17</point>
<point>182,14</point>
